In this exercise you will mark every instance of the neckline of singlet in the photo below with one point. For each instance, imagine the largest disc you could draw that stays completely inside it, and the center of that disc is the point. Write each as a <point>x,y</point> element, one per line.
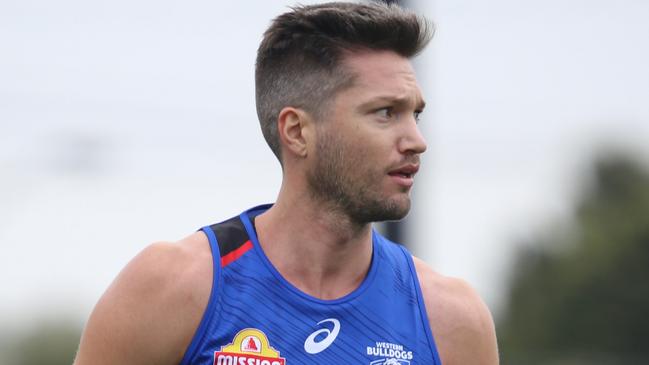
<point>248,217</point>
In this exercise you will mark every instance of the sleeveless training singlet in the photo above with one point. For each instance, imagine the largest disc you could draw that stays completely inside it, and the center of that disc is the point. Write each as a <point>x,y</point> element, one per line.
<point>255,317</point>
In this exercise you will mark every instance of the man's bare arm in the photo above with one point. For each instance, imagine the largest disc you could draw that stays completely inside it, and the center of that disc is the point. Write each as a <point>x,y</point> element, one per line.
<point>460,321</point>
<point>150,312</point>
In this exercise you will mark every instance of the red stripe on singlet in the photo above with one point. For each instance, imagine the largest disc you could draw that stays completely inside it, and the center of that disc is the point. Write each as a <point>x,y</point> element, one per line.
<point>234,255</point>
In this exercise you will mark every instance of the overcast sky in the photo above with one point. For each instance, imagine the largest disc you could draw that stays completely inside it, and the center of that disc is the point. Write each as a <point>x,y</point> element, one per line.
<point>127,122</point>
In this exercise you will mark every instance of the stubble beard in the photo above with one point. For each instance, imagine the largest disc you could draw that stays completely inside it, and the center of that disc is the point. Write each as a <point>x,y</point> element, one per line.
<point>342,181</point>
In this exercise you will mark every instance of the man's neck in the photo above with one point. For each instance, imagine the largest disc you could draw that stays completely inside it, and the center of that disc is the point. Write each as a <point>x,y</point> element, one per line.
<point>318,250</point>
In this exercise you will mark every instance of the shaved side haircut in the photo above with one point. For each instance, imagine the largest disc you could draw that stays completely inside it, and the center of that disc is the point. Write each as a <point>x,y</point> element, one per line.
<point>299,61</point>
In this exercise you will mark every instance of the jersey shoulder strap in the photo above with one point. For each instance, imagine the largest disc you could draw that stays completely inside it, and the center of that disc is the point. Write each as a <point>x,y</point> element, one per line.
<point>228,240</point>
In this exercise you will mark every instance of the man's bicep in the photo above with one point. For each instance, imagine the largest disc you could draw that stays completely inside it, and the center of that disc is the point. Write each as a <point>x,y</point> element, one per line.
<point>460,321</point>
<point>483,337</point>
<point>471,334</point>
<point>109,337</point>
<point>127,326</point>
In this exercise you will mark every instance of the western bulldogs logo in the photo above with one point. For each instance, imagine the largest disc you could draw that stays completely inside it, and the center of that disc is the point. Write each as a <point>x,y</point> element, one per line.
<point>390,362</point>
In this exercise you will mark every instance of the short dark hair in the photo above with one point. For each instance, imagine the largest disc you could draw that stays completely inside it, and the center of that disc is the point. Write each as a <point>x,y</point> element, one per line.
<point>299,58</point>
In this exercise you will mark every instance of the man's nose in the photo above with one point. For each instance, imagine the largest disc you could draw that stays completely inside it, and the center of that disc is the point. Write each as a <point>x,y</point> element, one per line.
<point>412,141</point>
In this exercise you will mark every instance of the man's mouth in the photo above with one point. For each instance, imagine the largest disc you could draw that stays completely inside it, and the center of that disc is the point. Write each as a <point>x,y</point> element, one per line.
<point>401,174</point>
<point>404,175</point>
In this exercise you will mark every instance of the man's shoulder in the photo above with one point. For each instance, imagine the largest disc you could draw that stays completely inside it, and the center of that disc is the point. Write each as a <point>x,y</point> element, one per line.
<point>460,320</point>
<point>170,268</point>
<point>151,310</point>
<point>451,295</point>
<point>173,278</point>
<point>172,263</point>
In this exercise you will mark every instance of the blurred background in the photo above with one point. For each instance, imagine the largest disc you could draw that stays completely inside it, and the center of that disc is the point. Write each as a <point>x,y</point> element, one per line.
<point>127,122</point>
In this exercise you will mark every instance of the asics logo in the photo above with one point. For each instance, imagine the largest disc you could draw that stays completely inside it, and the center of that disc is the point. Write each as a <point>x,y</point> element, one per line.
<point>313,347</point>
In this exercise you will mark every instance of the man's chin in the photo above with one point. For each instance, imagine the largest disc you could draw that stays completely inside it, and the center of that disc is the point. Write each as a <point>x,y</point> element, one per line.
<point>396,216</point>
<point>394,210</point>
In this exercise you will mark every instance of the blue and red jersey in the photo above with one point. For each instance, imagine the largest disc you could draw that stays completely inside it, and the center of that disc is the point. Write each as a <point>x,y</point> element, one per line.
<point>255,317</point>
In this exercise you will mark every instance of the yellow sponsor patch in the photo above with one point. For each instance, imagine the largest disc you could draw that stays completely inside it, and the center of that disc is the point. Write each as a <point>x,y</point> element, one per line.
<point>249,347</point>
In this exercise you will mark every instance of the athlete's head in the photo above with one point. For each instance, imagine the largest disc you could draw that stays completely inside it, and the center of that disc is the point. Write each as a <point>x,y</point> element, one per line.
<point>299,61</point>
<point>346,66</point>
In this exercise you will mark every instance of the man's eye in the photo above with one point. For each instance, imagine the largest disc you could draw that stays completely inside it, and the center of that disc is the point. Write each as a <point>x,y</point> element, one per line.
<point>417,115</point>
<point>386,113</point>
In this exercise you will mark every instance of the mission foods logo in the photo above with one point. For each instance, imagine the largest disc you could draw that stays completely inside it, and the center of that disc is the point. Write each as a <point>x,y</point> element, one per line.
<point>249,347</point>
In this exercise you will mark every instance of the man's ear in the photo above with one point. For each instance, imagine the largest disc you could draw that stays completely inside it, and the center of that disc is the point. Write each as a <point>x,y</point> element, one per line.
<point>296,131</point>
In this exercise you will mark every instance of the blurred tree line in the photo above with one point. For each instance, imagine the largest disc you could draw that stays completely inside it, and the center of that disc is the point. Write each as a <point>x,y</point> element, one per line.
<point>50,342</point>
<point>580,294</point>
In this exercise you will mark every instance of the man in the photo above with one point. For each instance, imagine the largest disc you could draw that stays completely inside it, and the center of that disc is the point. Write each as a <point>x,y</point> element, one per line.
<point>307,280</point>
